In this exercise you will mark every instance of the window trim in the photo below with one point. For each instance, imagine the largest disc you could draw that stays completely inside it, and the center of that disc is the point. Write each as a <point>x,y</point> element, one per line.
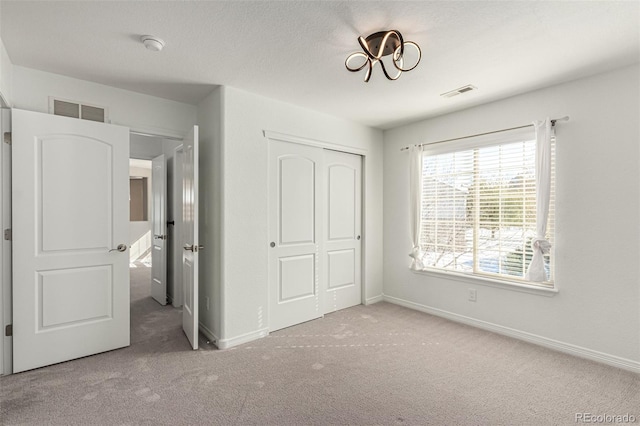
<point>473,279</point>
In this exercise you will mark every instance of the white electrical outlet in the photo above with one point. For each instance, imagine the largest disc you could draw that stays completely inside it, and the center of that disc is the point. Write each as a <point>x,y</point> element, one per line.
<point>473,295</point>
<point>206,301</point>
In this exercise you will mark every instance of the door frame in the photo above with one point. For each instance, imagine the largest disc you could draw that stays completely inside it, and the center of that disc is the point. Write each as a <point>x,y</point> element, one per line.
<point>6,314</point>
<point>283,137</point>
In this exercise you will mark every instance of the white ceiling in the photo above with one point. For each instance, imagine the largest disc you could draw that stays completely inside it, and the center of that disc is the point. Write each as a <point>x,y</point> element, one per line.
<point>294,51</point>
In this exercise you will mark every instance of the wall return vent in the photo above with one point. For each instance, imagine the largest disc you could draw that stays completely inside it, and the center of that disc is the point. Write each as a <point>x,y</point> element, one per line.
<point>75,109</point>
<point>459,90</point>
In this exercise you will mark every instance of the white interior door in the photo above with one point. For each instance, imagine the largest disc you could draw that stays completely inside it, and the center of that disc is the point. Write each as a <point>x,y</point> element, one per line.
<point>159,229</point>
<point>191,246</point>
<point>70,200</point>
<point>295,176</point>
<point>176,230</point>
<point>342,230</point>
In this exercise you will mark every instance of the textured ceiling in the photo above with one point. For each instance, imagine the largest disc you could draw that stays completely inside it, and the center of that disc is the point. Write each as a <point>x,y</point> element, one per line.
<point>295,51</point>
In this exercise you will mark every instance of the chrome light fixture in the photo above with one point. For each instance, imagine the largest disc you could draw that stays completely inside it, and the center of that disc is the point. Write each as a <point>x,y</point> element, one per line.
<point>377,45</point>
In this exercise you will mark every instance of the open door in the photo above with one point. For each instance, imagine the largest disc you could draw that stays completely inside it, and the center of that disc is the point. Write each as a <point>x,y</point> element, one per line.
<point>70,196</point>
<point>191,245</point>
<point>159,229</point>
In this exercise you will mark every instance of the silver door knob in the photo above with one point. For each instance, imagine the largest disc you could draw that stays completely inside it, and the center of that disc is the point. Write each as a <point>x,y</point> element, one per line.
<point>188,247</point>
<point>121,247</point>
<point>272,245</point>
<point>160,237</point>
<point>358,237</point>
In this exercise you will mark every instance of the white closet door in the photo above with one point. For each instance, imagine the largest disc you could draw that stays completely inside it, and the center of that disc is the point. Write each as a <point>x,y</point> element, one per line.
<point>295,182</point>
<point>70,230</point>
<point>342,230</point>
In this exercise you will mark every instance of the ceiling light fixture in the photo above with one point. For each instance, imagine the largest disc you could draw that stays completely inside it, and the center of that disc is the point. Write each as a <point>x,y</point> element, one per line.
<point>152,42</point>
<point>381,44</point>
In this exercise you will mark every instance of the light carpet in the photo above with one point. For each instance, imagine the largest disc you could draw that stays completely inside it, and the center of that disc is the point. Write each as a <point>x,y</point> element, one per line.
<point>367,365</point>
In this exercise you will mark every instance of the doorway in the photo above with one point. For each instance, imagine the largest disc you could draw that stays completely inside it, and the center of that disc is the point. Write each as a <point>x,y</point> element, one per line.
<point>156,294</point>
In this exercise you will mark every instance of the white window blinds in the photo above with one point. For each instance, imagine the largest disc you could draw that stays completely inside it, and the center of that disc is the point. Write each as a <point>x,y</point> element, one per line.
<point>478,206</point>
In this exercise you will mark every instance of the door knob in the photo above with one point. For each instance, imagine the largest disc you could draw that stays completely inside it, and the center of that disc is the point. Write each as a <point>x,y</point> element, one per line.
<point>121,247</point>
<point>160,237</point>
<point>358,237</point>
<point>272,245</point>
<point>193,248</point>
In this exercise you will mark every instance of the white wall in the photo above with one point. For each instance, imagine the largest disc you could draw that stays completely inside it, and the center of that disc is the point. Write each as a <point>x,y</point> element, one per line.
<point>32,88</point>
<point>244,202</point>
<point>6,77</point>
<point>597,310</point>
<point>211,128</point>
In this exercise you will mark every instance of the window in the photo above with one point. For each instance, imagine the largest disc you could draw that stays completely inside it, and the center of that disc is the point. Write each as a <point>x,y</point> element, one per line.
<point>478,207</point>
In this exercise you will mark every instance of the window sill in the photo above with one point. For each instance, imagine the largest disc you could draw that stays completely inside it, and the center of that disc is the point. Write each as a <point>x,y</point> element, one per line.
<point>490,282</point>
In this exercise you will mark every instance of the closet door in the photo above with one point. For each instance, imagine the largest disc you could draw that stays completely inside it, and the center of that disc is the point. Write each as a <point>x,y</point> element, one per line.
<point>295,238</point>
<point>342,205</point>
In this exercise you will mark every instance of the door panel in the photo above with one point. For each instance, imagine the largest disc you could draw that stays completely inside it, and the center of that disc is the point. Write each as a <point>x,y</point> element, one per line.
<point>341,202</point>
<point>295,179</point>
<point>159,228</point>
<point>70,212</point>
<point>191,246</point>
<point>92,285</point>
<point>342,233</point>
<point>64,228</point>
<point>296,199</point>
<point>341,265</point>
<point>296,277</point>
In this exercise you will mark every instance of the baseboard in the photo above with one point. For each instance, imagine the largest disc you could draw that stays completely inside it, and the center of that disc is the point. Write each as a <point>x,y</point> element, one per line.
<point>375,299</point>
<point>243,338</point>
<point>208,334</point>
<point>615,361</point>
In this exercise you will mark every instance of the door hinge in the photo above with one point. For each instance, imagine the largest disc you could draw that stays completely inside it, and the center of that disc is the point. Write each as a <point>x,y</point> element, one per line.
<point>7,234</point>
<point>7,138</point>
<point>8,330</point>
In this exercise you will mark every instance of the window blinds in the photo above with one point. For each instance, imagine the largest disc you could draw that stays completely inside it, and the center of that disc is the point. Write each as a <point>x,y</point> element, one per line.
<point>479,206</point>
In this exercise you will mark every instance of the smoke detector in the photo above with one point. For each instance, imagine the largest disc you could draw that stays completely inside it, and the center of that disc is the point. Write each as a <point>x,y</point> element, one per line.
<point>458,91</point>
<point>152,43</point>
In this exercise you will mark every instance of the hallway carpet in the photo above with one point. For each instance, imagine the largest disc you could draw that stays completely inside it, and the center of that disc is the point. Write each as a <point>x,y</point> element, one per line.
<point>375,365</point>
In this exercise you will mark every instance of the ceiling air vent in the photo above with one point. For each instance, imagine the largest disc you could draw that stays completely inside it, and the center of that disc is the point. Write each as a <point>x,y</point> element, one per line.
<point>458,91</point>
<point>74,109</point>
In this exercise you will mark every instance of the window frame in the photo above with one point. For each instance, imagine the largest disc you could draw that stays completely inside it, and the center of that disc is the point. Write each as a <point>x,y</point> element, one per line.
<point>475,276</point>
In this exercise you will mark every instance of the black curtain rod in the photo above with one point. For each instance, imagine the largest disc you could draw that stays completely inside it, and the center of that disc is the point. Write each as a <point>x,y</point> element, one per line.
<point>553,123</point>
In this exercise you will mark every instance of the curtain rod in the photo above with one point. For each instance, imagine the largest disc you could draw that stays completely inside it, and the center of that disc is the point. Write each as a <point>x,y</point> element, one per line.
<point>553,123</point>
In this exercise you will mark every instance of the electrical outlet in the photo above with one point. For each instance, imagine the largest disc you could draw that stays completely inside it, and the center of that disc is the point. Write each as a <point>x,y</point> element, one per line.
<point>206,301</point>
<point>473,295</point>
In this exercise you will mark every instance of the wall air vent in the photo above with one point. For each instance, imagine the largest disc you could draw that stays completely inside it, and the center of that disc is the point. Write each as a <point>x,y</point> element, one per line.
<point>75,109</point>
<point>458,91</point>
